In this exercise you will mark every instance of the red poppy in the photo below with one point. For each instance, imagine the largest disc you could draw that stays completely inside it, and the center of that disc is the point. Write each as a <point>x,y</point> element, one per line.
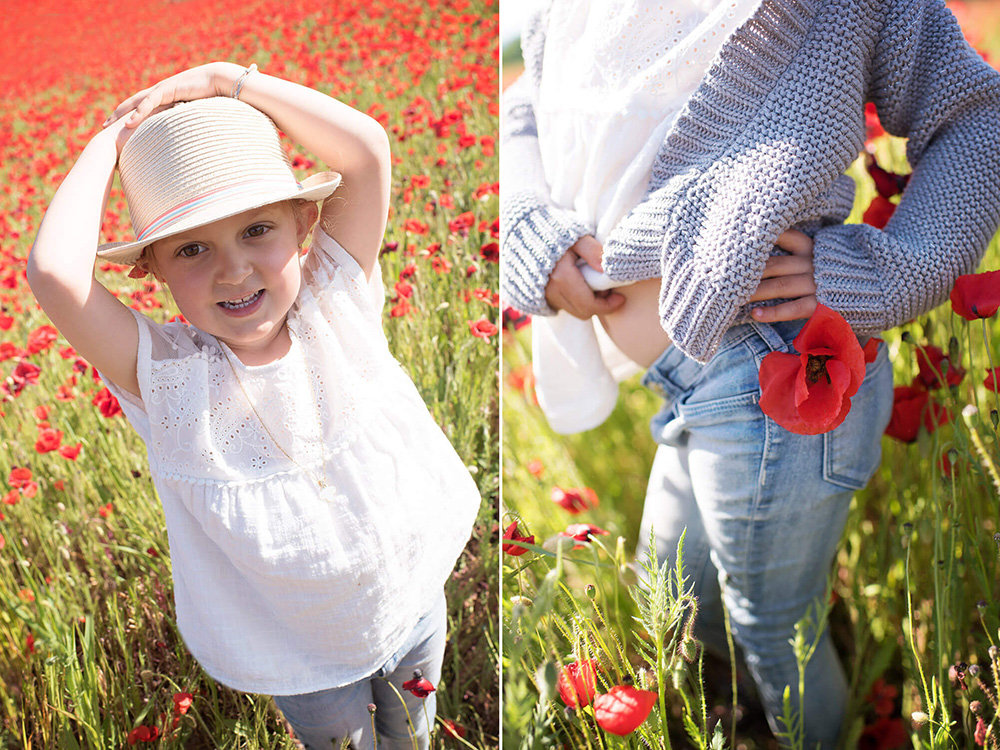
<point>582,532</point>
<point>107,403</point>
<point>143,734</point>
<point>48,440</point>
<point>911,407</point>
<point>577,683</point>
<point>511,534</point>
<point>879,211</point>
<point>451,729</point>
<point>401,308</point>
<point>622,709</point>
<point>182,702</point>
<point>482,328</point>
<point>884,734</point>
<point>19,477</point>
<point>887,184</point>
<point>418,685</point>
<point>574,499</point>
<point>810,393</point>
<point>70,451</point>
<point>872,124</point>
<point>992,381</point>
<point>404,289</point>
<point>41,339</point>
<point>933,372</point>
<point>976,295</point>
<point>490,252</point>
<point>536,468</point>
<point>105,510</point>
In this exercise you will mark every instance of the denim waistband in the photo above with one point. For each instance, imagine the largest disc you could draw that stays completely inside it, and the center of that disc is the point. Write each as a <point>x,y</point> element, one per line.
<point>674,373</point>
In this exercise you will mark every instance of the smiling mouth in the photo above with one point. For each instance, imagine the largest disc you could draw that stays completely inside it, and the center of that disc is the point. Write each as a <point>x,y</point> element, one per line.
<point>242,302</point>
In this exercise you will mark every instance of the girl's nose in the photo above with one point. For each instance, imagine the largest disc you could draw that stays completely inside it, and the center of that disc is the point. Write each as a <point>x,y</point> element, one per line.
<point>234,266</point>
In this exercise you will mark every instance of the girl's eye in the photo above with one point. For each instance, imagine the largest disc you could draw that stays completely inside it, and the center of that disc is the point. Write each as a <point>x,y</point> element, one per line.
<point>189,251</point>
<point>257,230</point>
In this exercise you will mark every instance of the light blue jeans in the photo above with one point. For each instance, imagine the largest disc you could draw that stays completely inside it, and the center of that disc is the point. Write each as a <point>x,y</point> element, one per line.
<point>324,719</point>
<point>764,508</point>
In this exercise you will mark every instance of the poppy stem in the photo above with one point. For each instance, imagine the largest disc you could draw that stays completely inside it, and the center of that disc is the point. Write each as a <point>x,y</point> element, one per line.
<point>993,372</point>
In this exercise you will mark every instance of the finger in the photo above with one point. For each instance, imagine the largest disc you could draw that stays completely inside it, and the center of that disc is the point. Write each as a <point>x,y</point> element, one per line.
<point>590,250</point>
<point>795,242</point>
<point>157,96</point>
<point>786,265</point>
<point>797,309</point>
<point>127,106</point>
<point>799,285</point>
<point>602,305</point>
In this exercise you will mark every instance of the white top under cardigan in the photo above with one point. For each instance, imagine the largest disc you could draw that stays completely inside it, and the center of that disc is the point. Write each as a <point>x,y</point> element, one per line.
<point>277,590</point>
<point>614,78</point>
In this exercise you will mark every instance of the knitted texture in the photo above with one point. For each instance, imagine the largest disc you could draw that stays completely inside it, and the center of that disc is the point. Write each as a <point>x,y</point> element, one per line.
<point>762,146</point>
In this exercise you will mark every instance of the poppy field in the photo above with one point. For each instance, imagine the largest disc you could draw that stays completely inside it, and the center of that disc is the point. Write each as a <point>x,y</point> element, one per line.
<point>90,656</point>
<point>591,659</point>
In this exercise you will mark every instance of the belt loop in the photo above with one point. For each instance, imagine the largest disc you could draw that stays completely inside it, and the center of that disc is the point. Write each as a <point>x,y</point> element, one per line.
<point>775,342</point>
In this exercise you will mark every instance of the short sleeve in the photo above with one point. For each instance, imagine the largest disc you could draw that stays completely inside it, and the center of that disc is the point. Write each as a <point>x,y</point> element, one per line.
<point>327,258</point>
<point>156,343</point>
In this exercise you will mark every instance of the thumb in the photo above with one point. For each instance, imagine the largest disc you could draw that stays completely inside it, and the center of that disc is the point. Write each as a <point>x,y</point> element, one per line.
<point>590,250</point>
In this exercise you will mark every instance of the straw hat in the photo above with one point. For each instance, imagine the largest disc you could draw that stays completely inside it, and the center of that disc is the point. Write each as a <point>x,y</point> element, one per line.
<point>201,161</point>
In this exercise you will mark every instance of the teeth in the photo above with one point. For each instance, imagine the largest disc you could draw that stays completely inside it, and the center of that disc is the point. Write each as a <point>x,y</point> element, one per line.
<point>240,303</point>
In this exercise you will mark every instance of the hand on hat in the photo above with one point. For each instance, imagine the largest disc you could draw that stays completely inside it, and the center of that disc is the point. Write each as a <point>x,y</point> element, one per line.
<point>197,83</point>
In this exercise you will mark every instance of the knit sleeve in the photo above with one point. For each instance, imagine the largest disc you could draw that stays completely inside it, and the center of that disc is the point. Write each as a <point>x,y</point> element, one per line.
<point>931,87</point>
<point>534,232</point>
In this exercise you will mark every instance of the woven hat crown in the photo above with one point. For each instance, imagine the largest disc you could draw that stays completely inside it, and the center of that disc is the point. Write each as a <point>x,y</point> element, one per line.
<point>201,161</point>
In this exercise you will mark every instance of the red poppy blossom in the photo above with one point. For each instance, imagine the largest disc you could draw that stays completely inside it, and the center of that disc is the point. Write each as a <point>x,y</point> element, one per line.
<point>933,372</point>
<point>810,393</point>
<point>41,339</point>
<point>622,709</point>
<point>482,328</point>
<point>107,403</point>
<point>70,451</point>
<point>976,295</point>
<point>992,381</point>
<point>48,440</point>
<point>512,535</point>
<point>143,734</point>
<point>19,477</point>
<point>582,532</point>
<point>879,211</point>
<point>574,499</point>
<point>490,252</point>
<point>182,702</point>
<point>872,124</point>
<point>887,183</point>
<point>451,729</point>
<point>418,685</point>
<point>577,683</point>
<point>536,468</point>
<point>911,407</point>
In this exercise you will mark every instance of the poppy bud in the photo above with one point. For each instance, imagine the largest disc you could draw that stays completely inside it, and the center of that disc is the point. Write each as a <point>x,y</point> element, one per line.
<point>976,707</point>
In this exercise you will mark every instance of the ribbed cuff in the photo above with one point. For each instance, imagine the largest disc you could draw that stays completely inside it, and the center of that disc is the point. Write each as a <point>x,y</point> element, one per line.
<point>848,278</point>
<point>535,236</point>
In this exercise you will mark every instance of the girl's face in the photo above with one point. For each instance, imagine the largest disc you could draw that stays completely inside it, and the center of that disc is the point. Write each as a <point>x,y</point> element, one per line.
<point>238,277</point>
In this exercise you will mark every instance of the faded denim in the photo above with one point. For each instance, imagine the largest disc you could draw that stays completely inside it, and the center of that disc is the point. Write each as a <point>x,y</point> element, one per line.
<point>323,719</point>
<point>764,508</point>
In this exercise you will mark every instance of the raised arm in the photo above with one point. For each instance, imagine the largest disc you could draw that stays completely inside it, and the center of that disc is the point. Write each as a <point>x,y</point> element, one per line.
<point>61,265</point>
<point>344,139</point>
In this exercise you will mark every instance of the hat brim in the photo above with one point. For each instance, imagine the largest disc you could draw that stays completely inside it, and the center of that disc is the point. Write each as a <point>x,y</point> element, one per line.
<point>316,187</point>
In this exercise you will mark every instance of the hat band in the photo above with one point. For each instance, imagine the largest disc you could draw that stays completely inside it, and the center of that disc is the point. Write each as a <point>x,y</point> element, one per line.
<point>175,214</point>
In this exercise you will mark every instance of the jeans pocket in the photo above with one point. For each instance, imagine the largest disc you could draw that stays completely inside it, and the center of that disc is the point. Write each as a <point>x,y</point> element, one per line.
<point>852,452</point>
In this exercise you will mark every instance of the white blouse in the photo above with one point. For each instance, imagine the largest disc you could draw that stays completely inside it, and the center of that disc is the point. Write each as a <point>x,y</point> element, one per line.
<point>614,78</point>
<point>281,589</point>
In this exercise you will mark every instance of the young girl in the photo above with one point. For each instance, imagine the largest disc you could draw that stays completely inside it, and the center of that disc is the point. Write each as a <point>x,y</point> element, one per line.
<point>314,508</point>
<point>675,145</point>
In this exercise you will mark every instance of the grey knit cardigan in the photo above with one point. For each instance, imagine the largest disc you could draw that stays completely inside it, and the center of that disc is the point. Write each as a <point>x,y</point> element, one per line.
<point>762,146</point>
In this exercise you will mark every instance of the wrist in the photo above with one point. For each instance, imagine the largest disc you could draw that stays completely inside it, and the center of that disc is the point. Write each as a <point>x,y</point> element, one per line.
<point>224,76</point>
